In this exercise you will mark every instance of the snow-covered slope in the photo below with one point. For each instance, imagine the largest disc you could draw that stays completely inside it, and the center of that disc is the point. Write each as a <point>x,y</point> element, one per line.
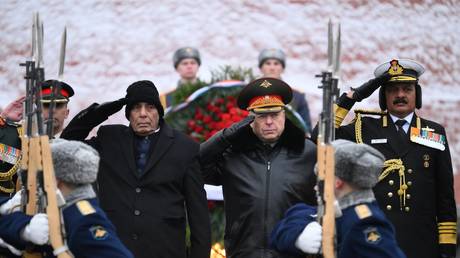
<point>114,43</point>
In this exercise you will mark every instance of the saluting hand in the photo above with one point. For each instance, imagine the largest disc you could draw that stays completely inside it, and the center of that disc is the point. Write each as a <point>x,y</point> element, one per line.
<point>369,87</point>
<point>231,134</point>
<point>14,110</point>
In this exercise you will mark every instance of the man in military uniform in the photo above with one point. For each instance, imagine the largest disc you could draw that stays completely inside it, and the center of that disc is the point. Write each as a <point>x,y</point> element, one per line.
<point>416,185</point>
<point>362,228</point>
<point>264,164</point>
<point>89,233</point>
<point>186,61</point>
<point>10,129</point>
<point>272,63</point>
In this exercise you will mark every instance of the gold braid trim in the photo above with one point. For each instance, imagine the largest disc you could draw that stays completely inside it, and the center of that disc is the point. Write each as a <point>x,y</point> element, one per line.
<point>396,165</point>
<point>358,131</point>
<point>8,175</point>
<point>358,121</point>
<point>6,190</point>
<point>447,231</point>
<point>340,114</point>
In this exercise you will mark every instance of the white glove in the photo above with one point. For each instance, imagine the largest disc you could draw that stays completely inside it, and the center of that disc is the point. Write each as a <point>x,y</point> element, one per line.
<point>37,231</point>
<point>10,247</point>
<point>309,241</point>
<point>12,205</point>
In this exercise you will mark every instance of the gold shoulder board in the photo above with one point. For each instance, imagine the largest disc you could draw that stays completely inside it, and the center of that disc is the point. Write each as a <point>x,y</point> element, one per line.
<point>85,207</point>
<point>363,211</point>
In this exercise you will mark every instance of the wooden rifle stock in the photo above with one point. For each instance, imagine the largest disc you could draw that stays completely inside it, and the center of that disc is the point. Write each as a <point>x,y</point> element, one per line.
<point>37,172</point>
<point>326,158</point>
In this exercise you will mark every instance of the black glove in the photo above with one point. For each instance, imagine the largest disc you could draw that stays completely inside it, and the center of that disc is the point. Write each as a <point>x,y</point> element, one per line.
<point>97,114</point>
<point>231,134</point>
<point>109,108</point>
<point>369,87</point>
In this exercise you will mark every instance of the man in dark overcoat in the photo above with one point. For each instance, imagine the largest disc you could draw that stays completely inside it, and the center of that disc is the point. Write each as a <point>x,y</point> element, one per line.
<point>415,188</point>
<point>149,180</point>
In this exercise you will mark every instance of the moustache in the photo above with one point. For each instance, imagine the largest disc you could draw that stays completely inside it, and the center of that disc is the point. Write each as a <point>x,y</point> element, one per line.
<point>400,100</point>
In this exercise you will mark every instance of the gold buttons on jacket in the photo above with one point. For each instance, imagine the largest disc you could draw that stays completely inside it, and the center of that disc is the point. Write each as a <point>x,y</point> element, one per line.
<point>407,209</point>
<point>391,182</point>
<point>409,183</point>
<point>410,171</point>
<point>407,196</point>
<point>390,194</point>
<point>389,207</point>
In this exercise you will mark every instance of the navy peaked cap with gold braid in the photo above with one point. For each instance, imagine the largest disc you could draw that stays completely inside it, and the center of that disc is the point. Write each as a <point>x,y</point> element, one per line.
<point>401,70</point>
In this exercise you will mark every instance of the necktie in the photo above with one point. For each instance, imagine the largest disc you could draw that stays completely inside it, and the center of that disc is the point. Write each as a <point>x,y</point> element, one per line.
<point>402,134</point>
<point>142,150</point>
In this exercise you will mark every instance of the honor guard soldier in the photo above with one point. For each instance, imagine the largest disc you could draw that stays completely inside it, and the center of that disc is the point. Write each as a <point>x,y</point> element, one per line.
<point>11,129</point>
<point>362,228</point>
<point>415,187</point>
<point>187,62</point>
<point>89,233</point>
<point>272,63</point>
<point>61,97</point>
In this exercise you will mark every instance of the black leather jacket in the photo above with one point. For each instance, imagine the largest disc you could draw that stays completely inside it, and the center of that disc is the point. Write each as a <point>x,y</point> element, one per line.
<point>259,183</point>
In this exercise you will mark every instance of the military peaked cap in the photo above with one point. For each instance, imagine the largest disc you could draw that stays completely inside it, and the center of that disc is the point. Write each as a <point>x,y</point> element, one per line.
<point>401,70</point>
<point>62,95</point>
<point>265,95</point>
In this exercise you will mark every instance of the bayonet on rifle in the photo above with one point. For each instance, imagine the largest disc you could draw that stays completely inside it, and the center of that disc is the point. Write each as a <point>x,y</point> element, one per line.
<point>37,173</point>
<point>326,163</point>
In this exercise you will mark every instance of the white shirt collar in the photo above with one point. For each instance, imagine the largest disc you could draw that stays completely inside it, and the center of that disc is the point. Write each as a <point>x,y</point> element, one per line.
<point>408,118</point>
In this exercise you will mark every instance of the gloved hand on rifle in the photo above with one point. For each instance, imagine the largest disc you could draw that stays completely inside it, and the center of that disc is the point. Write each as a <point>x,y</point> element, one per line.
<point>231,133</point>
<point>37,231</point>
<point>309,241</point>
<point>369,87</point>
<point>12,205</point>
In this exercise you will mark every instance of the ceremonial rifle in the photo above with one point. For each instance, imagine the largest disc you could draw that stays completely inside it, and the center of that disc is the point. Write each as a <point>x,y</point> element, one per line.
<point>326,162</point>
<point>37,174</point>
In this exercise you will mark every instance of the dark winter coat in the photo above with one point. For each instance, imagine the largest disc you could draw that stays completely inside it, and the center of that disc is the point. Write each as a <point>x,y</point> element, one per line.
<point>149,209</point>
<point>259,184</point>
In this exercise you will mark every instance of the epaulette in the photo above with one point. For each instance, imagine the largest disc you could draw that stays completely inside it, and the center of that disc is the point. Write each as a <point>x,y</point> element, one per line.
<point>370,112</point>
<point>85,207</point>
<point>363,211</point>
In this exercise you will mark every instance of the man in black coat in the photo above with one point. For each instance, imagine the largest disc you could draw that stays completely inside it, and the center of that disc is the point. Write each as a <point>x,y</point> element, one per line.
<point>415,188</point>
<point>264,164</point>
<point>149,180</point>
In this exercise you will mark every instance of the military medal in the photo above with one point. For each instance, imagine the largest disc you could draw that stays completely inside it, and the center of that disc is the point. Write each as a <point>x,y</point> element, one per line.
<point>9,154</point>
<point>427,137</point>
